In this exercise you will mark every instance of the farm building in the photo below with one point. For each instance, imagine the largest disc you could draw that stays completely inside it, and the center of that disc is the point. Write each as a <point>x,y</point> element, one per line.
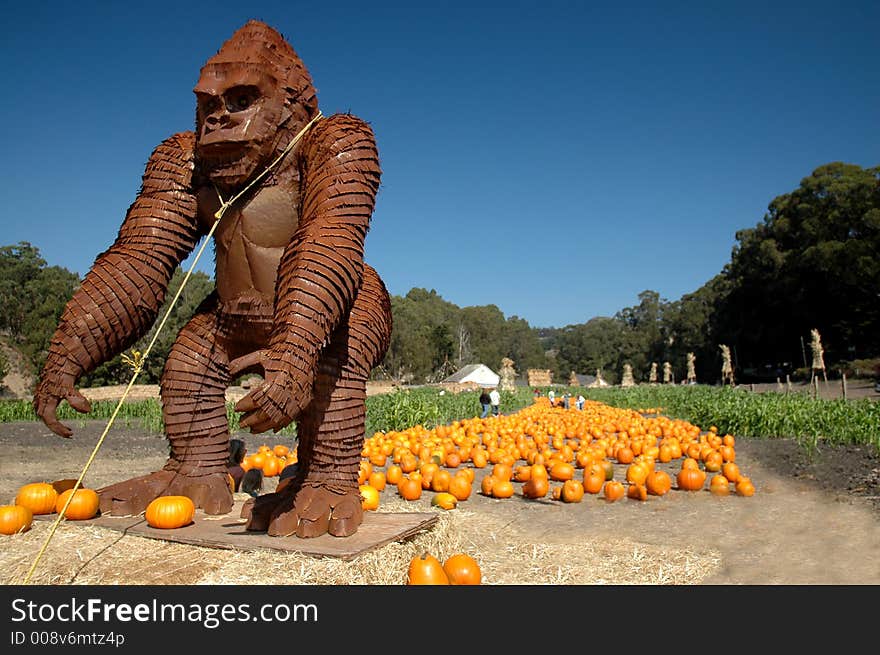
<point>478,374</point>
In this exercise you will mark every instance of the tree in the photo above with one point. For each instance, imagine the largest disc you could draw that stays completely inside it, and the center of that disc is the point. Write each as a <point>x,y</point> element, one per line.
<point>596,344</point>
<point>812,262</point>
<point>32,298</point>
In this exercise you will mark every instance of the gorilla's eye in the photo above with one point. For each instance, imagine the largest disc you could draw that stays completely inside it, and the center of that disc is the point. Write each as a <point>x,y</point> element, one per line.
<point>240,98</point>
<point>208,104</point>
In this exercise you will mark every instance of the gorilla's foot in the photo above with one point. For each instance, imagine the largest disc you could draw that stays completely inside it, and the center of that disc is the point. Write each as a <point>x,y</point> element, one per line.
<point>210,493</point>
<point>307,512</point>
<point>258,511</point>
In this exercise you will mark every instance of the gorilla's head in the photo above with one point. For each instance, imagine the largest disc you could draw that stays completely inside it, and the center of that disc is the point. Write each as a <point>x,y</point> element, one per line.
<point>252,97</point>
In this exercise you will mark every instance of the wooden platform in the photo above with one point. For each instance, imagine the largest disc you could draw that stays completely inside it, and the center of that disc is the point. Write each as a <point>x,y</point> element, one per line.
<point>227,531</point>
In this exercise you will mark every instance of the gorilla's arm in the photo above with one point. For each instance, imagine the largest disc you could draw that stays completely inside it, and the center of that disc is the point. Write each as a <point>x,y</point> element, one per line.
<point>120,296</point>
<point>321,269</point>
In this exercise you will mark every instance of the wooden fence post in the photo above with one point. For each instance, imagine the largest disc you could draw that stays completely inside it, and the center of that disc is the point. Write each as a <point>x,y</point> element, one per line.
<point>843,384</point>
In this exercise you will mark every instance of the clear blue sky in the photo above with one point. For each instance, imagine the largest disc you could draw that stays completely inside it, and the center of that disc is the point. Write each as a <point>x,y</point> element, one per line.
<point>552,158</point>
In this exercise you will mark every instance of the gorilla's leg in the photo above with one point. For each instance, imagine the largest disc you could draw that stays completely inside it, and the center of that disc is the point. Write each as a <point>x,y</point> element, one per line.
<point>325,496</point>
<point>193,388</point>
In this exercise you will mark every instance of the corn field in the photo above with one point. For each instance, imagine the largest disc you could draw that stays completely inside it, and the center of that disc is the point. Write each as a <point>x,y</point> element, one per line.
<point>735,411</point>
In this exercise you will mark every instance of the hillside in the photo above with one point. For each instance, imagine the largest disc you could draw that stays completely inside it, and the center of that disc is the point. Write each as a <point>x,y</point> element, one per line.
<point>19,380</point>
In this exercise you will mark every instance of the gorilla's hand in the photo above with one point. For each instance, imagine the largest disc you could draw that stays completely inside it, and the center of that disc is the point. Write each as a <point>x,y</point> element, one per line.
<point>52,389</point>
<point>276,402</point>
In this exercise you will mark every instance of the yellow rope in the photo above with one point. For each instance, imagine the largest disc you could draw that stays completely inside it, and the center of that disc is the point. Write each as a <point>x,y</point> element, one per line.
<point>138,360</point>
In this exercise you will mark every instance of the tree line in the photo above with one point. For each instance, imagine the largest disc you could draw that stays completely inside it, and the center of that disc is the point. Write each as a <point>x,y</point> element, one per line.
<point>811,263</point>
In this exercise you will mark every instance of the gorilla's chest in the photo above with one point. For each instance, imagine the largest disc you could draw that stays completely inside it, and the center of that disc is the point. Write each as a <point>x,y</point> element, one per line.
<point>265,219</point>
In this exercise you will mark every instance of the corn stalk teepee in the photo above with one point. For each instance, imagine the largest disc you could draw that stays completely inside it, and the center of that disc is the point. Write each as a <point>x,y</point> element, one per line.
<point>667,373</point>
<point>573,380</point>
<point>599,381</point>
<point>726,366</point>
<point>691,368</point>
<point>818,359</point>
<point>507,375</point>
<point>627,379</point>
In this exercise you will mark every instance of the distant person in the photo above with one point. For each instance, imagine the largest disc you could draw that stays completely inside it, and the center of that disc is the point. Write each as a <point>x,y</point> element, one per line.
<point>552,396</point>
<point>237,451</point>
<point>580,402</point>
<point>566,399</point>
<point>485,403</point>
<point>252,482</point>
<point>495,399</point>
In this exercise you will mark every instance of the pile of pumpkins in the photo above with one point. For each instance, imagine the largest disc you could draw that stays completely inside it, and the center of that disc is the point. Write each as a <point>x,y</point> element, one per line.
<point>35,498</point>
<point>457,569</point>
<point>543,448</point>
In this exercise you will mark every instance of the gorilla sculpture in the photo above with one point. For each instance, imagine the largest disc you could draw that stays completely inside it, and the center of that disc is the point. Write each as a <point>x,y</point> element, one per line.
<point>294,298</point>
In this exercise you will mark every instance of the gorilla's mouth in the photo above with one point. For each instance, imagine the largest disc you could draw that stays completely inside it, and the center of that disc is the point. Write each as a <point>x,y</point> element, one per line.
<point>224,150</point>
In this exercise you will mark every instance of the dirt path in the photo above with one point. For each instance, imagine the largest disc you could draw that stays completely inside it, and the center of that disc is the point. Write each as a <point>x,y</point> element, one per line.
<point>809,523</point>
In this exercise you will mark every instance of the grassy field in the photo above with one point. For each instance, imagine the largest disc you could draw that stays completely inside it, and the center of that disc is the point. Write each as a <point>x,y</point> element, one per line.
<point>735,411</point>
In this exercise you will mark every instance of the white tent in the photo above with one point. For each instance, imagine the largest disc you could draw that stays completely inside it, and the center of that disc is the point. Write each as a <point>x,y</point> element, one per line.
<point>477,373</point>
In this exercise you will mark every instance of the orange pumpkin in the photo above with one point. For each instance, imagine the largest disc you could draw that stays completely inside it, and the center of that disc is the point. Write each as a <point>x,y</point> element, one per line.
<point>744,486</point>
<point>377,480</point>
<point>486,485</point>
<point>170,512</point>
<point>624,455</point>
<point>691,479</point>
<point>594,481</point>
<point>394,474</point>
<point>719,485</point>
<point>637,492</point>
<point>38,497</point>
<point>369,497</point>
<point>272,466</point>
<point>502,489</point>
<point>83,506</point>
<point>561,471</point>
<point>536,488</point>
<point>460,487</point>
<point>727,453</point>
<point>614,490</point>
<point>637,473</point>
<point>440,480</point>
<point>730,471</point>
<point>364,470</point>
<point>658,483</point>
<point>690,463</point>
<point>462,569</point>
<point>409,463</point>
<point>426,570</point>
<point>522,473</point>
<point>502,471</point>
<point>409,488</point>
<point>468,473</point>
<point>572,491</point>
<point>713,461</point>
<point>539,470</point>
<point>15,519</point>
<point>444,500</point>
